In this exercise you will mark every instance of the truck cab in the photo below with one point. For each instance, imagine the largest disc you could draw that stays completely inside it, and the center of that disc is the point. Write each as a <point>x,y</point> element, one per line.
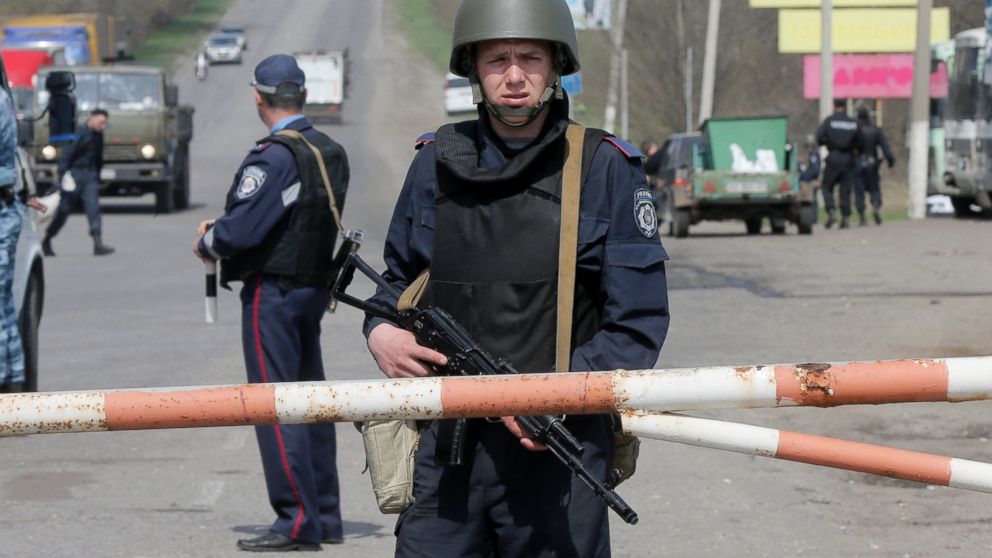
<point>146,146</point>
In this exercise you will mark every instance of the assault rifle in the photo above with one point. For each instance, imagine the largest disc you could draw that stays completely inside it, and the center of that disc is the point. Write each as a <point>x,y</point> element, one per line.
<point>436,329</point>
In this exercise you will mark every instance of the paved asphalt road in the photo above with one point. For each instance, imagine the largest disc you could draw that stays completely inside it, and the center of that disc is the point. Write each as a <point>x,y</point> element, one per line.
<point>136,319</point>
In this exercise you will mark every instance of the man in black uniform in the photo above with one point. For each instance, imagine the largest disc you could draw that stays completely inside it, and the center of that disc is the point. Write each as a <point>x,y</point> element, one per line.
<point>482,208</point>
<point>869,161</point>
<point>840,134</point>
<point>277,237</point>
<point>79,172</point>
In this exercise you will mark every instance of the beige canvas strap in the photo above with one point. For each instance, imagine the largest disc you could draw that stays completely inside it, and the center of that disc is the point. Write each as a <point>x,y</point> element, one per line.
<point>323,174</point>
<point>411,296</point>
<point>568,243</point>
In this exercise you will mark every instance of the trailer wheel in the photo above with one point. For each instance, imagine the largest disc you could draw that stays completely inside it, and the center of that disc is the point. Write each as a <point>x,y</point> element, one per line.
<point>805,221</point>
<point>753,225</point>
<point>778,225</point>
<point>680,223</point>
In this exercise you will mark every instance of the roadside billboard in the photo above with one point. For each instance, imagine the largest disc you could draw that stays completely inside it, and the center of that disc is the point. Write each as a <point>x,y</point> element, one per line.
<point>873,76</point>
<point>859,30</point>
<point>590,14</point>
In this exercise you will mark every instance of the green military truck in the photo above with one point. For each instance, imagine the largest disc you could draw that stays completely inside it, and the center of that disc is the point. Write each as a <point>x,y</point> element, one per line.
<point>146,146</point>
<point>742,169</point>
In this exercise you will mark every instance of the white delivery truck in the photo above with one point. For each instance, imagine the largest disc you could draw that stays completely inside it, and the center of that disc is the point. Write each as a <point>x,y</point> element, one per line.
<point>327,78</point>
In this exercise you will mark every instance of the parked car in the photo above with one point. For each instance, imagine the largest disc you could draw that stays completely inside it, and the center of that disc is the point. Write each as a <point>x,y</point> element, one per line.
<point>237,31</point>
<point>457,95</point>
<point>29,276</point>
<point>222,48</point>
<point>670,163</point>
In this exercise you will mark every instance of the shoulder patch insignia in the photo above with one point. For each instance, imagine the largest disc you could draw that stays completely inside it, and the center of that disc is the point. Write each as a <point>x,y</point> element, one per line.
<point>644,214</point>
<point>424,140</point>
<point>259,147</point>
<point>627,148</point>
<point>252,179</point>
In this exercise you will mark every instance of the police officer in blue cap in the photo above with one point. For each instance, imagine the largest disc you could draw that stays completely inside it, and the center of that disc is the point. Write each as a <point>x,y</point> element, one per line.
<point>482,207</point>
<point>277,237</point>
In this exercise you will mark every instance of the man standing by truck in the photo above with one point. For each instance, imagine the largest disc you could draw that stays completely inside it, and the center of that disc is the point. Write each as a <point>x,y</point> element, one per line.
<point>839,132</point>
<point>79,169</point>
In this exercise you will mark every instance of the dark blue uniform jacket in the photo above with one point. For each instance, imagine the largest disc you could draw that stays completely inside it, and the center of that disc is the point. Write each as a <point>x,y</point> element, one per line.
<point>629,259</point>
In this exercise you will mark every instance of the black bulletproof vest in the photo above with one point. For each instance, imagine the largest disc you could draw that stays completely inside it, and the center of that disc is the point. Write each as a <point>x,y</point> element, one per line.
<point>869,140</point>
<point>495,258</point>
<point>842,132</point>
<point>302,254</point>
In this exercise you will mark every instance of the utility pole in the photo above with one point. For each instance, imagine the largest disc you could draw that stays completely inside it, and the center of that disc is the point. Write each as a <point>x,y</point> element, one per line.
<point>826,59</point>
<point>688,89</point>
<point>919,109</point>
<point>610,113</point>
<point>709,62</point>
<point>624,97</point>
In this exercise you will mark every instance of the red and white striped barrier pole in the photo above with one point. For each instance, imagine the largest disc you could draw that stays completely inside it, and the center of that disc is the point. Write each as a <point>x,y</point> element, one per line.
<point>958,379</point>
<point>816,450</point>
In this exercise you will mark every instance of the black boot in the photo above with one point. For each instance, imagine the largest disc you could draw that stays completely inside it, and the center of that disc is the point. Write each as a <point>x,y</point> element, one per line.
<point>101,249</point>
<point>878,217</point>
<point>46,247</point>
<point>844,222</point>
<point>830,220</point>
<point>861,219</point>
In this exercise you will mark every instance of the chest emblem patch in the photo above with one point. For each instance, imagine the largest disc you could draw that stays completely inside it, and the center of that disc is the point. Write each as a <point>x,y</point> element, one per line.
<point>644,214</point>
<point>252,179</point>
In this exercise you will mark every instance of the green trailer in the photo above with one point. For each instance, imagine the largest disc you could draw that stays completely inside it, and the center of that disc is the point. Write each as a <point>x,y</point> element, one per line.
<point>743,169</point>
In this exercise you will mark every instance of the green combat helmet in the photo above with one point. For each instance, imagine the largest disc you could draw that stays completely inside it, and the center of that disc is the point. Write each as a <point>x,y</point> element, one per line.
<point>485,20</point>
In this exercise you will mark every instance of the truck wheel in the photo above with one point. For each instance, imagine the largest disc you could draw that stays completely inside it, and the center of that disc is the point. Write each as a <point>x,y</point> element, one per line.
<point>28,323</point>
<point>680,223</point>
<point>164,198</point>
<point>180,192</point>
<point>962,207</point>
<point>778,225</point>
<point>805,221</point>
<point>753,225</point>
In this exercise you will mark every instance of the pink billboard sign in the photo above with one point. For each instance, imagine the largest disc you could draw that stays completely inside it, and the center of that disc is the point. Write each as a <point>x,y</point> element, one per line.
<point>870,76</point>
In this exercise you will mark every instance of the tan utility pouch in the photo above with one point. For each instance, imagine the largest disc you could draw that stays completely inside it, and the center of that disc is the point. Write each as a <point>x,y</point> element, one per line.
<point>390,446</point>
<point>625,447</point>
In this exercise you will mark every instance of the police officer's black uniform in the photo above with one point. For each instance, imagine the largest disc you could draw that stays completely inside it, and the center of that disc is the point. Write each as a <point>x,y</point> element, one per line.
<point>869,160</point>
<point>839,133</point>
<point>277,237</point>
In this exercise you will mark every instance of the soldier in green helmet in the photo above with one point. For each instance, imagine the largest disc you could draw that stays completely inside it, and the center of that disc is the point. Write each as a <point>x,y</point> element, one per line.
<point>486,207</point>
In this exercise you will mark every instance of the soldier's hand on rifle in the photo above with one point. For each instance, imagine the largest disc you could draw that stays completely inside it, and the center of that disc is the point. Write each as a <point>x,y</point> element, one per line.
<point>399,356</point>
<point>515,429</point>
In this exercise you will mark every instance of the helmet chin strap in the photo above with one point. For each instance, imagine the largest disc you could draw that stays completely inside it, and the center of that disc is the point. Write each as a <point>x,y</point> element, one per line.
<point>502,112</point>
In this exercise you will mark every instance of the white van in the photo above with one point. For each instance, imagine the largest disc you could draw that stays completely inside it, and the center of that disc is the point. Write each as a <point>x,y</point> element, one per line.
<point>326,75</point>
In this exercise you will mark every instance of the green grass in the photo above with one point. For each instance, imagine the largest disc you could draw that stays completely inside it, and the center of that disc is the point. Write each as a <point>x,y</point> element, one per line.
<point>424,32</point>
<point>181,36</point>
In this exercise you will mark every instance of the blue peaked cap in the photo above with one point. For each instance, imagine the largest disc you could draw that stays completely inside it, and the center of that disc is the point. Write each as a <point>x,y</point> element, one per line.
<point>279,73</point>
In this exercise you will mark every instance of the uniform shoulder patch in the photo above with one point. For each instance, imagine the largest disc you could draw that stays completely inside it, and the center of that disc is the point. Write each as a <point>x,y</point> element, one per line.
<point>424,140</point>
<point>625,147</point>
<point>252,178</point>
<point>644,214</point>
<point>260,147</point>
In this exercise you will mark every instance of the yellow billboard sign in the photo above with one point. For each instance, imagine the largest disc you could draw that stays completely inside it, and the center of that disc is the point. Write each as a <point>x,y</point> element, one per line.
<point>836,3</point>
<point>859,30</point>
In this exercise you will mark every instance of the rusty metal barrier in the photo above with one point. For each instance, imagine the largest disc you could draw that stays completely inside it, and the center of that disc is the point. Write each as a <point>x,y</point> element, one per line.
<point>634,394</point>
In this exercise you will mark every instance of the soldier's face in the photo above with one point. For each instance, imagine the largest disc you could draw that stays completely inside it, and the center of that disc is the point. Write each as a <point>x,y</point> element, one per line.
<point>98,123</point>
<point>514,73</point>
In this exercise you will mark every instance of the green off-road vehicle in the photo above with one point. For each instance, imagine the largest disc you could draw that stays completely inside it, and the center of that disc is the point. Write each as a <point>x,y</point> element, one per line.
<point>742,169</point>
<point>146,146</point>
